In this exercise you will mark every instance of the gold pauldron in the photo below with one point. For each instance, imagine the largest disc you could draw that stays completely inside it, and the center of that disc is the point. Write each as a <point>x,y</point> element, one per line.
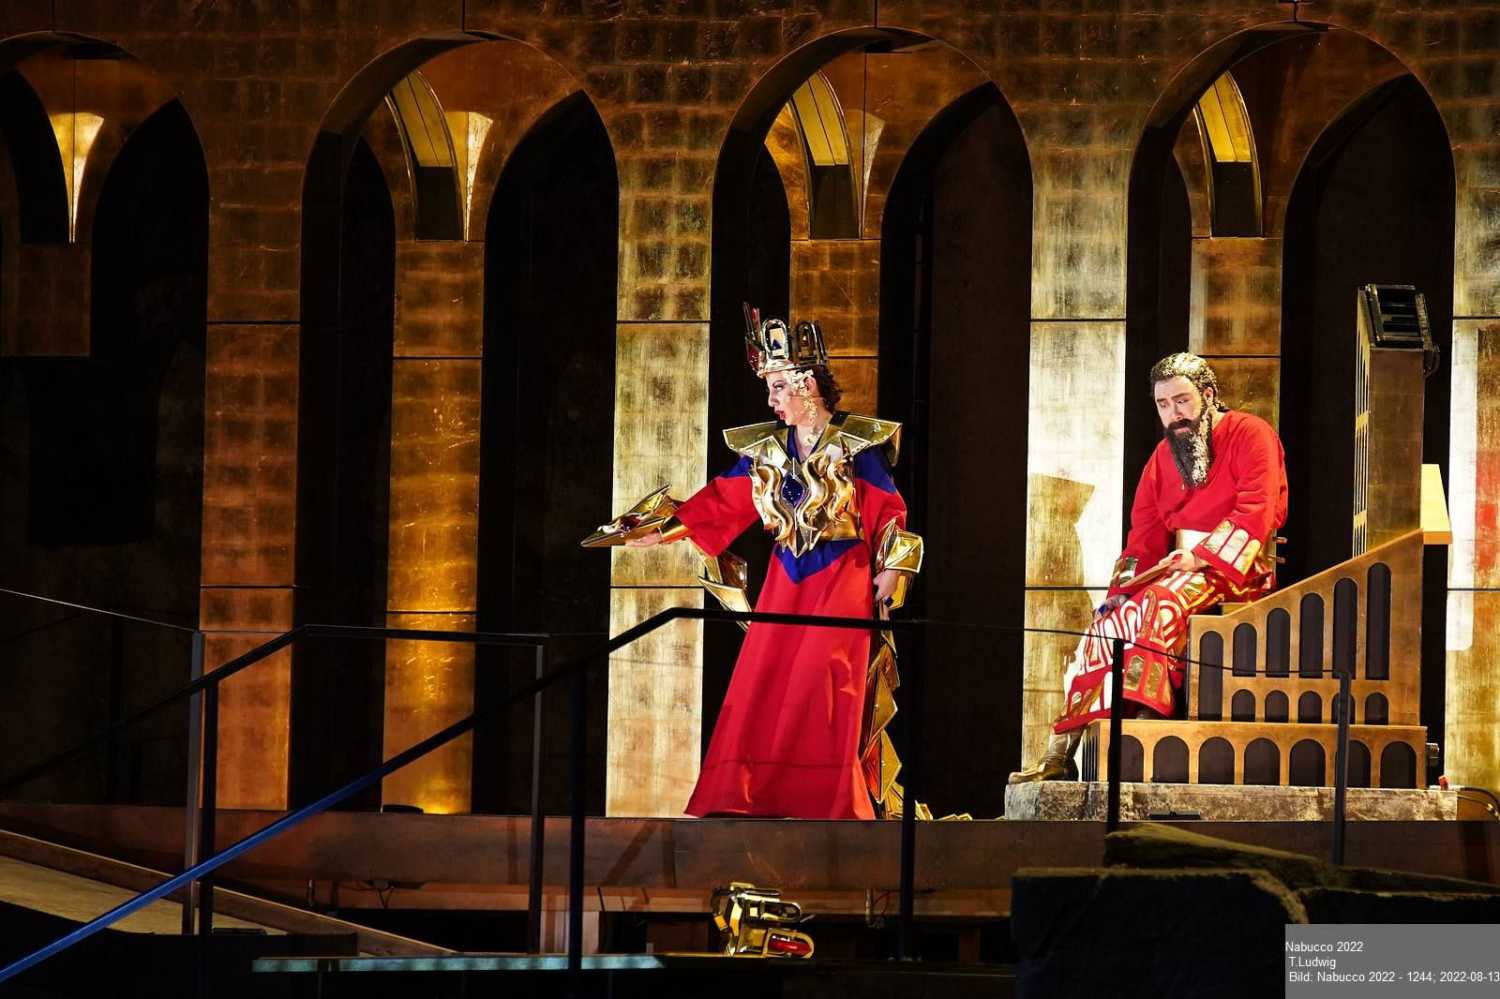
<point>902,551</point>
<point>1124,571</point>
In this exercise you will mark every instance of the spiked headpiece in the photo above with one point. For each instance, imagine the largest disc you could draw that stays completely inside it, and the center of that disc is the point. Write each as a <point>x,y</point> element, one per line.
<point>769,346</point>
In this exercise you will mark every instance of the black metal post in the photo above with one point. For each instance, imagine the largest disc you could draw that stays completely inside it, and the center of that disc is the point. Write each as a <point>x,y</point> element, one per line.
<point>1116,735</point>
<point>190,855</point>
<point>538,819</point>
<point>1341,764</point>
<point>576,871</point>
<point>208,813</point>
<point>911,773</point>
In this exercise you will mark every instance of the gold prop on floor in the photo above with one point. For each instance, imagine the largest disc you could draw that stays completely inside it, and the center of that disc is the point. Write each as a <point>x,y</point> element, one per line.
<point>758,922</point>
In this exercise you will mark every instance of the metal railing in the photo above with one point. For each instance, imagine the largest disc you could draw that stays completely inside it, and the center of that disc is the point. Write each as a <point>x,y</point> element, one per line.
<point>200,870</point>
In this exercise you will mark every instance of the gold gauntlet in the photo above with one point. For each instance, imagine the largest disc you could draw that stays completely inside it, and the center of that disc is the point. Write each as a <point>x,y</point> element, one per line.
<point>902,551</point>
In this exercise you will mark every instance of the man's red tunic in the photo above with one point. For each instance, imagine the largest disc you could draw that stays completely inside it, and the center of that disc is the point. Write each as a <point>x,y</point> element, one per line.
<point>1240,506</point>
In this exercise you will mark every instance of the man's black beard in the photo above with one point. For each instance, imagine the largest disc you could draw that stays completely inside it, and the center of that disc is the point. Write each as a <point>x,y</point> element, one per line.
<point>1192,451</point>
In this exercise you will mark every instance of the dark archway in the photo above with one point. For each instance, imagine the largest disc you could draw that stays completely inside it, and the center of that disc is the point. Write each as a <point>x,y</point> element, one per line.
<point>954,347</point>
<point>547,431</point>
<point>1159,228</point>
<point>750,261</point>
<point>343,529</point>
<point>103,483</point>
<point>35,164</point>
<point>752,253</point>
<point>1373,203</point>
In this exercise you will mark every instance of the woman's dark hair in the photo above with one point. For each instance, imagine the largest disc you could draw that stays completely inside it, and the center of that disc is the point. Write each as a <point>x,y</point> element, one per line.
<point>828,386</point>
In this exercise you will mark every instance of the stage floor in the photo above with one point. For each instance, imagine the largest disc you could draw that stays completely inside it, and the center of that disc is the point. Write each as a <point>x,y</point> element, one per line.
<point>475,862</point>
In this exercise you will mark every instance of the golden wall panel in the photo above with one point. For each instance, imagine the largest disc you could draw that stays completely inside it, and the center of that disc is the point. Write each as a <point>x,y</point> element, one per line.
<point>250,454</point>
<point>429,686</point>
<point>1252,384</point>
<point>1474,455</point>
<point>1074,433</point>
<point>254,723</point>
<point>859,377</point>
<point>246,608</point>
<point>661,436</point>
<point>655,705</point>
<point>1476,161</point>
<point>1189,156</point>
<point>1471,739</point>
<point>784,142</point>
<point>439,298</point>
<point>837,283</point>
<point>434,498</point>
<point>1045,658</point>
<point>1236,296</point>
<point>1078,241</point>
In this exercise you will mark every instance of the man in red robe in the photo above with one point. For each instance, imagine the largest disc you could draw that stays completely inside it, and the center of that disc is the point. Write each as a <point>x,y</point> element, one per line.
<point>1202,531</point>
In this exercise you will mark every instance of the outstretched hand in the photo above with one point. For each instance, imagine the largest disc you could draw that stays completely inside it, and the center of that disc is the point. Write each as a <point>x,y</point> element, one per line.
<point>645,540</point>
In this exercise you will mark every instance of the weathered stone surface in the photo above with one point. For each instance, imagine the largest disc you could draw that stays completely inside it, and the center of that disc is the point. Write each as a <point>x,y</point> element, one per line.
<point>1335,905</point>
<point>1152,845</point>
<point>1176,913</point>
<point>1085,800</point>
<point>1112,932</point>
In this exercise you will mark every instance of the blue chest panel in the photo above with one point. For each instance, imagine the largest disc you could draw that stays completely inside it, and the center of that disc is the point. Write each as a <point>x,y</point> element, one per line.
<point>799,568</point>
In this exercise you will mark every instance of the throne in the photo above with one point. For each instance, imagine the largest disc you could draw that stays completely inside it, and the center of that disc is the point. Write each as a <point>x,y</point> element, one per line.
<point>1262,702</point>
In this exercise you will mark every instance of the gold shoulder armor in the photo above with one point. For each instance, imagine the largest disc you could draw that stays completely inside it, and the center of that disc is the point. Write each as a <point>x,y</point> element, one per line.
<point>747,439</point>
<point>861,432</point>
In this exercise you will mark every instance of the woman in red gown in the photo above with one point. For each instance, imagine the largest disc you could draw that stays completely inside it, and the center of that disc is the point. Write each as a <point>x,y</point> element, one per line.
<point>788,738</point>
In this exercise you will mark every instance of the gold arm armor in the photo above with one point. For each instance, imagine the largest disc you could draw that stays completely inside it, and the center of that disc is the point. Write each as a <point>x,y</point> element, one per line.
<point>902,551</point>
<point>655,512</point>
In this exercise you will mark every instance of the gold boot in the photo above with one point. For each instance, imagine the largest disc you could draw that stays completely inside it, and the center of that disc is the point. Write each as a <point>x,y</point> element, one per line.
<point>1056,763</point>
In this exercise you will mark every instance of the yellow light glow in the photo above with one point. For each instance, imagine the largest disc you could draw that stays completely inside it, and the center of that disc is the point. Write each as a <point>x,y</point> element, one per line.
<point>821,120</point>
<point>1226,121</point>
<point>421,118</point>
<point>469,130</point>
<point>75,135</point>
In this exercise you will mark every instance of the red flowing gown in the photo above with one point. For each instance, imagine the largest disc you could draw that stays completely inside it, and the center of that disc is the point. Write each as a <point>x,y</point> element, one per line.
<point>786,742</point>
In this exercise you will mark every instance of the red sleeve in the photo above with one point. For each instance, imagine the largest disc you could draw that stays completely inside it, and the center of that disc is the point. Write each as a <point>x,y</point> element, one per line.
<point>1149,540</point>
<point>719,512</point>
<point>879,500</point>
<point>877,508</point>
<point>1259,484</point>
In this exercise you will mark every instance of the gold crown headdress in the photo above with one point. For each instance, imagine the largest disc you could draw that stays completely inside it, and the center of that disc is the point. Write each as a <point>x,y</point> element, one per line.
<point>769,346</point>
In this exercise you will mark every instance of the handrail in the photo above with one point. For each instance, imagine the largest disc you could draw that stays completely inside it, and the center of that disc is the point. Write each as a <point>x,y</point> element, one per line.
<point>104,611</point>
<point>575,668</point>
<point>247,659</point>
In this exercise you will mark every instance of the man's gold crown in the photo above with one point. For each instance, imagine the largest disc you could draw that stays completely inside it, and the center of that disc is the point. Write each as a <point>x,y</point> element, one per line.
<point>769,346</point>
